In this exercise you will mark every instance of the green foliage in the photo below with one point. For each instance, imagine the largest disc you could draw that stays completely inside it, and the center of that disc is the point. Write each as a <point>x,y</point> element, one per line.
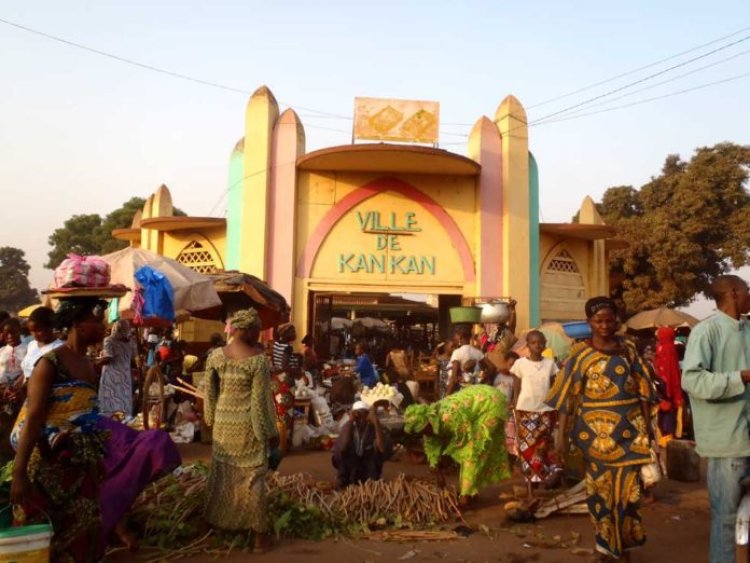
<point>684,227</point>
<point>6,473</point>
<point>15,291</point>
<point>92,234</point>
<point>293,519</point>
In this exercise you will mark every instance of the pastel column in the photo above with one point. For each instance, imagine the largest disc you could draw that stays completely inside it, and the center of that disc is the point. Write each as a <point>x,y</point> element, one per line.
<point>146,213</point>
<point>516,241</point>
<point>260,119</point>
<point>599,282</point>
<point>534,259</point>
<point>234,204</point>
<point>161,207</point>
<point>486,148</point>
<point>287,144</point>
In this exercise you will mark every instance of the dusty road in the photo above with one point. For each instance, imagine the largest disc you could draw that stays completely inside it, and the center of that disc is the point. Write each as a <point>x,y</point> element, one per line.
<point>677,525</point>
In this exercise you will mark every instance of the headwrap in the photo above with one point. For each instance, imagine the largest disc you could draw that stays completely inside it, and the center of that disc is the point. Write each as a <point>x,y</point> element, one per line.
<point>283,331</point>
<point>121,330</point>
<point>596,304</point>
<point>75,308</point>
<point>417,417</point>
<point>245,319</point>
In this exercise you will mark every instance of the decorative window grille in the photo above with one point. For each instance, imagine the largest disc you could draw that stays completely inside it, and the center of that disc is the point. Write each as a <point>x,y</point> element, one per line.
<point>563,263</point>
<point>197,258</point>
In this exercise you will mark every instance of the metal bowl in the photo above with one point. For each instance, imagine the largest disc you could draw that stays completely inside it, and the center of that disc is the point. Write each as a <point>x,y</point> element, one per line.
<point>495,312</point>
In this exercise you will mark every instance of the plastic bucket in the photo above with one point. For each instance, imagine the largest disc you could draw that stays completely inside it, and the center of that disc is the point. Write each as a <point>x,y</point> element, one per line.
<point>577,329</point>
<point>26,544</point>
<point>465,315</point>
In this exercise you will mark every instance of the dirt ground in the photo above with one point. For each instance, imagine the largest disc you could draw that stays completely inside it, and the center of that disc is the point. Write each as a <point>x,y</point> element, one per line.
<point>677,525</point>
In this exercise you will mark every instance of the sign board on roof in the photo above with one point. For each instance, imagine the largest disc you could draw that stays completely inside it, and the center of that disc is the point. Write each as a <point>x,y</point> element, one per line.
<point>382,119</point>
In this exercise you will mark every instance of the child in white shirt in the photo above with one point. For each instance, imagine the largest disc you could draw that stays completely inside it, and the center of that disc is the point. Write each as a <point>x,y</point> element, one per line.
<point>535,421</point>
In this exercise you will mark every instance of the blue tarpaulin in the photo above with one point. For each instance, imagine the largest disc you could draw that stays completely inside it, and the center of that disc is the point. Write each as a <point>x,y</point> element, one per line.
<point>157,292</point>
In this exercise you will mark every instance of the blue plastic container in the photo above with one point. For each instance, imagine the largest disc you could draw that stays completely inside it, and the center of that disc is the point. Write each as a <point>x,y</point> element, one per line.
<point>577,329</point>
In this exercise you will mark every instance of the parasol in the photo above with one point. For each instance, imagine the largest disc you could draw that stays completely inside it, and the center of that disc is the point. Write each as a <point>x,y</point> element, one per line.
<point>238,290</point>
<point>25,313</point>
<point>662,316</point>
<point>192,291</point>
<point>557,340</point>
<point>371,322</point>
<point>340,323</point>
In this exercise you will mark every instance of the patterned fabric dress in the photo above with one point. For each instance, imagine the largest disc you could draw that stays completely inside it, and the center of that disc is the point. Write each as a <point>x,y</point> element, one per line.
<point>468,427</point>
<point>116,383</point>
<point>603,392</point>
<point>66,469</point>
<point>241,411</point>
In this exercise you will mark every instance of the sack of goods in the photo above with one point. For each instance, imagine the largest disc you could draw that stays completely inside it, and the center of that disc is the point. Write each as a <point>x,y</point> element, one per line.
<point>381,393</point>
<point>301,391</point>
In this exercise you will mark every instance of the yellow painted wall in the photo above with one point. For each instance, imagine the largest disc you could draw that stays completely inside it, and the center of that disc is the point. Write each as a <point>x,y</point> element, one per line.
<point>319,192</point>
<point>581,252</point>
<point>175,241</point>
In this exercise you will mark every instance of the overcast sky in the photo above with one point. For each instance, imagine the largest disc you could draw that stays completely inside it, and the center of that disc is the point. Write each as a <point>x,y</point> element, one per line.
<point>82,133</point>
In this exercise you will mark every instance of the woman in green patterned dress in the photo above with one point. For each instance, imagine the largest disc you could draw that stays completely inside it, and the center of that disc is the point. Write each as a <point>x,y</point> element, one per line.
<point>468,427</point>
<point>240,409</point>
<point>606,387</point>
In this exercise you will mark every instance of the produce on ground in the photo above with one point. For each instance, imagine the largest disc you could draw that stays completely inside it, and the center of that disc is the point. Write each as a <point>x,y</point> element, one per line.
<point>168,515</point>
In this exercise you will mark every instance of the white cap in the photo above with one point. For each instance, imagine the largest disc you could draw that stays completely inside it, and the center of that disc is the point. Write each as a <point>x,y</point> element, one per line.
<point>360,406</point>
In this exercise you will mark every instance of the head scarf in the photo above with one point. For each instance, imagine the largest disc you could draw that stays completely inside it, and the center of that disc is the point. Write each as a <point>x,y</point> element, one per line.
<point>121,330</point>
<point>417,417</point>
<point>596,304</point>
<point>284,330</point>
<point>667,365</point>
<point>71,310</point>
<point>245,319</point>
<point>360,406</point>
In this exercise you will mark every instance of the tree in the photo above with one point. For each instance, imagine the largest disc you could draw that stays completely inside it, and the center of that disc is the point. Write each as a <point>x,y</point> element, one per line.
<point>92,234</point>
<point>15,291</point>
<point>684,227</point>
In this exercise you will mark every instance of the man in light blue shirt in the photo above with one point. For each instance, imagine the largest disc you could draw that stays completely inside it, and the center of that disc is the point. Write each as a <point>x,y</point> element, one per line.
<point>716,371</point>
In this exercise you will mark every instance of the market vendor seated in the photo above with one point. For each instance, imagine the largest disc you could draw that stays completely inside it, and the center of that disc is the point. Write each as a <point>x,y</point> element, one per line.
<point>361,448</point>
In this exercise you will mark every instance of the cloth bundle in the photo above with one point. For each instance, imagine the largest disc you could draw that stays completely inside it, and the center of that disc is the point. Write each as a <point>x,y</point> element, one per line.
<point>82,271</point>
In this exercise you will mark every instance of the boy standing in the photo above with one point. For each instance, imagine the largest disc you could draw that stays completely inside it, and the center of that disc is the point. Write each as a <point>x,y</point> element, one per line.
<point>535,421</point>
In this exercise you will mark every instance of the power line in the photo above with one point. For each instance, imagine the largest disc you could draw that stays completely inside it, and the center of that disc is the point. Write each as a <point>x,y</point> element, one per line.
<point>629,72</point>
<point>641,80</point>
<point>152,68</point>
<point>646,100</point>
<point>657,84</point>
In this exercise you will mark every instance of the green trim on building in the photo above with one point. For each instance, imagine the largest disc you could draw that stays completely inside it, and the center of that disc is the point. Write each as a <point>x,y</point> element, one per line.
<point>234,208</point>
<point>534,265</point>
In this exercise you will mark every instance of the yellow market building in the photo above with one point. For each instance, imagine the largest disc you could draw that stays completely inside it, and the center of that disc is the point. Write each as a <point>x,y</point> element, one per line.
<point>382,218</point>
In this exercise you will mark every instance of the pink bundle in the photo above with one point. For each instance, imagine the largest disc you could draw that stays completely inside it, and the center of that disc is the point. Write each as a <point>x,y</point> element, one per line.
<point>82,271</point>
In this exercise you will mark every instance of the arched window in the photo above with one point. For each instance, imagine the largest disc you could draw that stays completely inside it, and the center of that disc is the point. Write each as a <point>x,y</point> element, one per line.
<point>563,290</point>
<point>196,257</point>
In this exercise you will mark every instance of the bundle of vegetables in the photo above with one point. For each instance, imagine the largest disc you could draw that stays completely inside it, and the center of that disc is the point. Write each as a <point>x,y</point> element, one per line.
<point>168,514</point>
<point>400,501</point>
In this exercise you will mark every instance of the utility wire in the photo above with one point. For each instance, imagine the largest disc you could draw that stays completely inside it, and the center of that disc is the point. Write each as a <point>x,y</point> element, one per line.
<point>657,84</point>
<point>153,68</point>
<point>640,80</point>
<point>646,100</point>
<point>635,70</point>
